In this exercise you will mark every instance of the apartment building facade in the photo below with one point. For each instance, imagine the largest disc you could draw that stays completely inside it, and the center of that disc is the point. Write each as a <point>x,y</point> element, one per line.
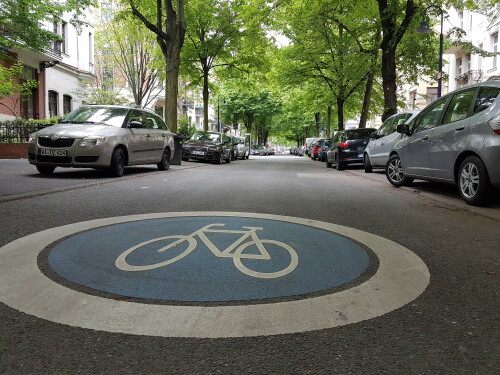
<point>461,67</point>
<point>58,70</point>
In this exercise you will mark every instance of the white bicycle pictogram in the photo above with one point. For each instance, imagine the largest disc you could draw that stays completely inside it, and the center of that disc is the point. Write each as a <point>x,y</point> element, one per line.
<point>235,250</point>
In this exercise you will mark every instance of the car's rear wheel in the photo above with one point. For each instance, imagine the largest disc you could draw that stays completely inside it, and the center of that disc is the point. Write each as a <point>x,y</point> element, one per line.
<point>164,164</point>
<point>368,164</point>
<point>185,159</point>
<point>394,172</point>
<point>338,164</point>
<point>117,166</point>
<point>473,182</point>
<point>44,169</point>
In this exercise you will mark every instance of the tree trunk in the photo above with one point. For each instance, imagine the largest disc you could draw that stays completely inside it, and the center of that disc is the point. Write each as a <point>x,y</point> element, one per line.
<point>389,83</point>
<point>171,91</point>
<point>340,114</point>
<point>317,118</point>
<point>328,121</point>
<point>366,101</point>
<point>205,101</point>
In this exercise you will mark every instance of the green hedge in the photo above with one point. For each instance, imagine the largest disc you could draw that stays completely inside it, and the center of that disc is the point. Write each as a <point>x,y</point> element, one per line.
<point>18,130</point>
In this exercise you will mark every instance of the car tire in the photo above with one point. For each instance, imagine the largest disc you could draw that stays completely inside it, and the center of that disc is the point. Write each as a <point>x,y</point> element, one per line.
<point>228,160</point>
<point>394,172</point>
<point>368,164</point>
<point>185,159</point>
<point>473,181</point>
<point>117,165</point>
<point>45,170</point>
<point>221,158</point>
<point>338,164</point>
<point>164,164</point>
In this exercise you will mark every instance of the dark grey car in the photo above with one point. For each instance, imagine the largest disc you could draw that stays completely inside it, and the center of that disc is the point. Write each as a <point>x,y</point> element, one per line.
<point>456,139</point>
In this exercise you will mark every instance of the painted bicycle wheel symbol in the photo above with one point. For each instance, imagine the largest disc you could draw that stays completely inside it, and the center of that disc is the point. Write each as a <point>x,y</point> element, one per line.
<point>235,250</point>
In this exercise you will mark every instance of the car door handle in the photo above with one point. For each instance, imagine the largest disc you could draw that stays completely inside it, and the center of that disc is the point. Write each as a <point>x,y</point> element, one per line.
<point>426,138</point>
<point>148,135</point>
<point>460,128</point>
<point>382,143</point>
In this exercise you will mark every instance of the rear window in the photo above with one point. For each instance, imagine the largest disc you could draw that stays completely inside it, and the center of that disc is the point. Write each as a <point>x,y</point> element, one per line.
<point>359,133</point>
<point>485,98</point>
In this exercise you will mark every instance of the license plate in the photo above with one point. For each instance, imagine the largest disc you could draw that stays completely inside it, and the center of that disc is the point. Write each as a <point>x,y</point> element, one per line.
<point>194,152</point>
<point>51,152</point>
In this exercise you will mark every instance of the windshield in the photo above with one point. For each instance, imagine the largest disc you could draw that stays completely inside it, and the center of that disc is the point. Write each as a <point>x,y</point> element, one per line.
<point>97,115</point>
<point>206,137</point>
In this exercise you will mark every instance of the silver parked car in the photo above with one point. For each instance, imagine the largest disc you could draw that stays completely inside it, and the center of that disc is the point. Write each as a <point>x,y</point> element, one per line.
<point>381,142</point>
<point>456,139</point>
<point>242,147</point>
<point>103,136</point>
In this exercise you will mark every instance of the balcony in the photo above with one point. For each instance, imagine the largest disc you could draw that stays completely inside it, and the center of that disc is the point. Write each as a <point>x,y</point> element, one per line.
<point>469,78</point>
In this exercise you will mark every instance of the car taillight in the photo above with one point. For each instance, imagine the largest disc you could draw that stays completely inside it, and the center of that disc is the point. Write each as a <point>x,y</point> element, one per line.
<point>495,124</point>
<point>323,149</point>
<point>344,144</point>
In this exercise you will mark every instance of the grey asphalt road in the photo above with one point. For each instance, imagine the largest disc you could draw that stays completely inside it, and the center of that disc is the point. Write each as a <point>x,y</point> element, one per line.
<point>451,328</point>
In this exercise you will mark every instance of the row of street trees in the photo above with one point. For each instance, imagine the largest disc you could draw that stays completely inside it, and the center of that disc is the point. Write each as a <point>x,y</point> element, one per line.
<point>341,59</point>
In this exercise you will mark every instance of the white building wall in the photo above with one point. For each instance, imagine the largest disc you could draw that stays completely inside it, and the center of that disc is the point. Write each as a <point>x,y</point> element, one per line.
<point>76,65</point>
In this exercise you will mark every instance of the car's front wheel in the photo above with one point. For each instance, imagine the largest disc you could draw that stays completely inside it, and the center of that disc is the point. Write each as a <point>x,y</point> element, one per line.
<point>473,182</point>
<point>117,166</point>
<point>164,164</point>
<point>368,164</point>
<point>394,172</point>
<point>44,169</point>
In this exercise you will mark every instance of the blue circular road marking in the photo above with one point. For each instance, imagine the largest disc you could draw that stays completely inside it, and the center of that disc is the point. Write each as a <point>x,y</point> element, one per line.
<point>301,259</point>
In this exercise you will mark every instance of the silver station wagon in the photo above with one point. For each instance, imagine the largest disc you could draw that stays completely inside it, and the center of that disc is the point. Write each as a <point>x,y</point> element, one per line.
<point>103,136</point>
<point>456,139</point>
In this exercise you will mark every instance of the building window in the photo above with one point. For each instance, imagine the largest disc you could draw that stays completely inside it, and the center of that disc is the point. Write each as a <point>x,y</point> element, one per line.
<point>494,47</point>
<point>66,104</point>
<point>106,11</point>
<point>432,94</point>
<point>53,98</point>
<point>64,32</point>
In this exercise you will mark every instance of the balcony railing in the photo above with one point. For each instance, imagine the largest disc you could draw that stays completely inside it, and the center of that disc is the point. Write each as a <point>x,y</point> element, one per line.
<point>468,78</point>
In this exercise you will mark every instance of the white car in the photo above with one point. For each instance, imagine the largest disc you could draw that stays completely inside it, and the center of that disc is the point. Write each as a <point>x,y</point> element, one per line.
<point>242,147</point>
<point>103,136</point>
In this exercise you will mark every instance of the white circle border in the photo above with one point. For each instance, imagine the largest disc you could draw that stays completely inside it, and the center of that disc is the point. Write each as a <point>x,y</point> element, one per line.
<point>401,277</point>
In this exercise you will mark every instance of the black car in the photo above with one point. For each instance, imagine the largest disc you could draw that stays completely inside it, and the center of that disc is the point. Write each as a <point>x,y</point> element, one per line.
<point>347,147</point>
<point>208,146</point>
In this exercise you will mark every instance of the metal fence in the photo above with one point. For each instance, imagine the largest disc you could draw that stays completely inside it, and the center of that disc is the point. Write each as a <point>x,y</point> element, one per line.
<point>18,131</point>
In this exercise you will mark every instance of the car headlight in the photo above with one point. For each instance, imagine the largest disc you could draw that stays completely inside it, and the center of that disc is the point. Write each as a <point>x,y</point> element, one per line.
<point>32,138</point>
<point>91,141</point>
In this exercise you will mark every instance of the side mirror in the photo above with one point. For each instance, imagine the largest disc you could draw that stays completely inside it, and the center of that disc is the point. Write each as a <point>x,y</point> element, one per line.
<point>373,135</point>
<point>135,125</point>
<point>403,129</point>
